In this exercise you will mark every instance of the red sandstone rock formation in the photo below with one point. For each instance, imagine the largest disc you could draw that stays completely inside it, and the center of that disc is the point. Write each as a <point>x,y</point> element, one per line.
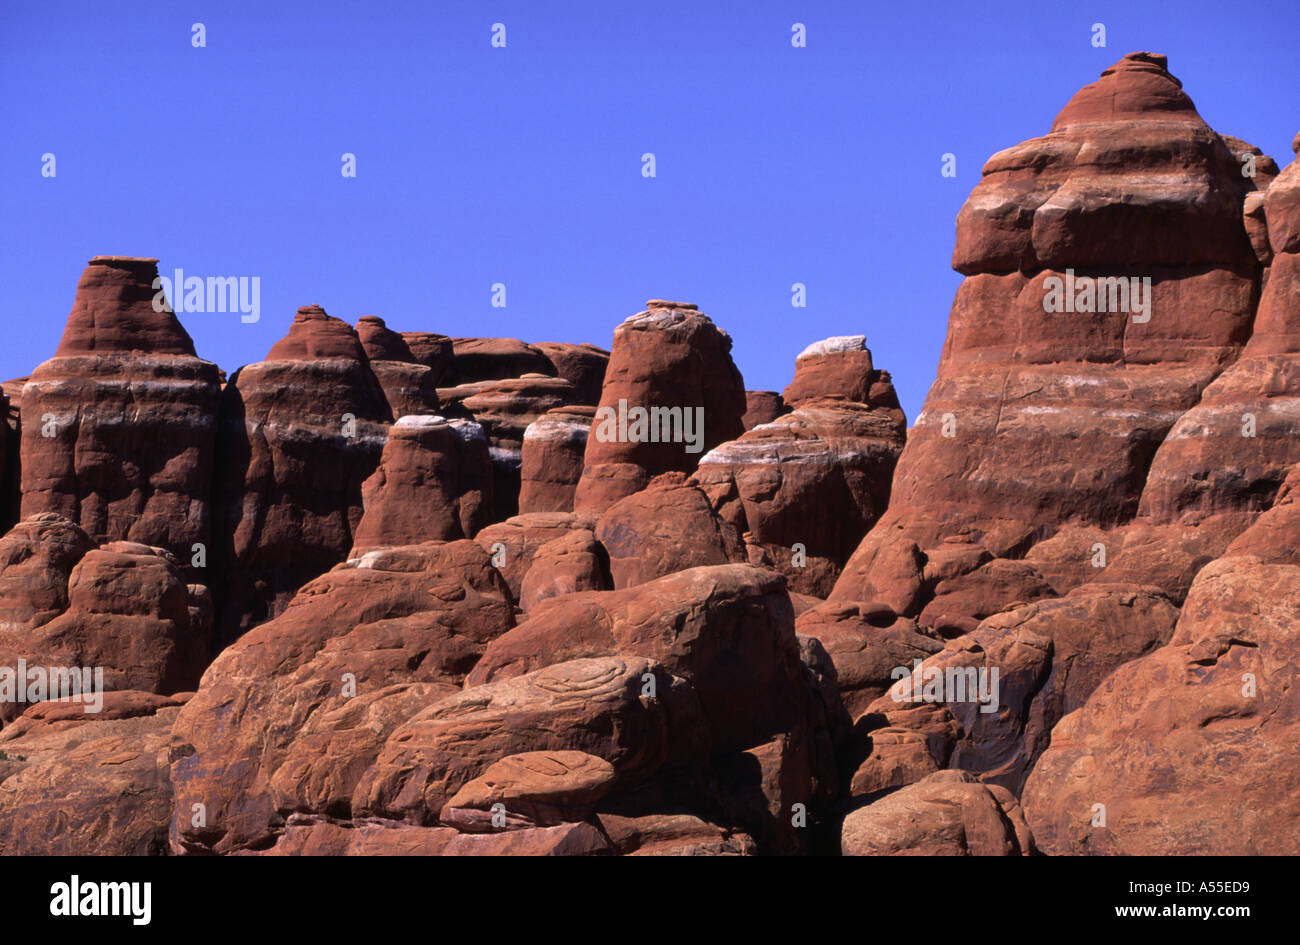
<point>73,784</point>
<point>120,615</point>
<point>808,485</point>
<point>712,648</point>
<point>410,386</point>
<point>582,365</point>
<point>514,543</point>
<point>866,642</point>
<point>1008,493</point>
<point>573,562</point>
<point>839,367</point>
<point>496,359</point>
<point>1083,589</point>
<point>9,435</point>
<point>434,351</point>
<point>1048,656</point>
<point>119,427</point>
<point>762,406</point>
<point>1044,421</point>
<point>1224,460</point>
<point>669,356</point>
<point>551,459</point>
<point>667,527</point>
<point>947,814</point>
<point>434,482</point>
<point>318,689</point>
<point>1191,749</point>
<point>300,432</point>
<point>537,789</point>
<point>505,409</point>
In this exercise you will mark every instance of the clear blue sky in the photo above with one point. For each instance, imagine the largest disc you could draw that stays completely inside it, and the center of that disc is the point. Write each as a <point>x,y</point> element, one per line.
<point>522,165</point>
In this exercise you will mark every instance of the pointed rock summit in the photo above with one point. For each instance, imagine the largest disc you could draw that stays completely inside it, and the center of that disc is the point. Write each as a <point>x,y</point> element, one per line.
<point>1129,175</point>
<point>114,312</point>
<point>380,342</point>
<point>1137,88</point>
<point>314,335</point>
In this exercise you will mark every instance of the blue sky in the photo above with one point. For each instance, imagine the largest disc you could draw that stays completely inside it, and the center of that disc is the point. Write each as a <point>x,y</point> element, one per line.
<point>522,165</point>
